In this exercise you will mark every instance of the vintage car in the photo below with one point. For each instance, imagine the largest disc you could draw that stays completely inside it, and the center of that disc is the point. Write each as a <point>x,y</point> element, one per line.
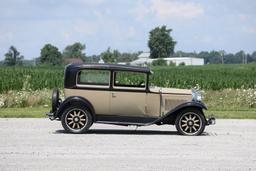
<point>122,95</point>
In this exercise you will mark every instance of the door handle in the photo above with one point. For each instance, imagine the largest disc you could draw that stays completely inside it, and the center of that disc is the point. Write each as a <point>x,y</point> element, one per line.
<point>113,95</point>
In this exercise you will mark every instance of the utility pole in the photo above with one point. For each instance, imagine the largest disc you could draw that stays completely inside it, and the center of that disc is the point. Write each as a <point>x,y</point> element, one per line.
<point>222,60</point>
<point>244,61</point>
<point>222,52</point>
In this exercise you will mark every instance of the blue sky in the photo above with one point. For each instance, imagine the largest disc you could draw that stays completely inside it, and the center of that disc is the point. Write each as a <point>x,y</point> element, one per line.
<point>124,24</point>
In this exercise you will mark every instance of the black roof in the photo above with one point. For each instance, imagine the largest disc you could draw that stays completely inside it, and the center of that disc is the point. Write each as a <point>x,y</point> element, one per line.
<point>108,67</point>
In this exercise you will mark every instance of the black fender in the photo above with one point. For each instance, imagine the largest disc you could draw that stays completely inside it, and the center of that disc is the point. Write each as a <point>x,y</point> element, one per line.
<point>75,100</point>
<point>172,114</point>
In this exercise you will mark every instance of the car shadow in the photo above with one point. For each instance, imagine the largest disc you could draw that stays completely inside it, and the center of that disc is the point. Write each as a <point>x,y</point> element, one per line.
<point>125,132</point>
<point>128,132</point>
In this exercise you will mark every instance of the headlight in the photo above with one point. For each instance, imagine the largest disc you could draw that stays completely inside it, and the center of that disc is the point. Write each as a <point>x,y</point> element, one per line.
<point>196,95</point>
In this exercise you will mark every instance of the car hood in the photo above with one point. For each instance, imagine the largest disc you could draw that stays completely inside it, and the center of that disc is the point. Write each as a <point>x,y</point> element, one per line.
<point>170,90</point>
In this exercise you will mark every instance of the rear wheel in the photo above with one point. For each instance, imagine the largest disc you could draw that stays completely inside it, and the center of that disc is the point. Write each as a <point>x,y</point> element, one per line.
<point>190,122</point>
<point>76,120</point>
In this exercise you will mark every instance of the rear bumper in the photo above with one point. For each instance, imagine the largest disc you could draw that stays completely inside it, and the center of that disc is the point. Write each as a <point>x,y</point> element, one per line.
<point>50,115</point>
<point>211,120</point>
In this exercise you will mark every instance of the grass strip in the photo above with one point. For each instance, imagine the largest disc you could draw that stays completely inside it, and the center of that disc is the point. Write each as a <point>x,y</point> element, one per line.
<point>23,112</point>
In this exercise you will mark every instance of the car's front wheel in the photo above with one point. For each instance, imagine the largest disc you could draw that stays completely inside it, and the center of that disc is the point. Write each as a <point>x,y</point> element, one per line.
<point>190,122</point>
<point>76,120</point>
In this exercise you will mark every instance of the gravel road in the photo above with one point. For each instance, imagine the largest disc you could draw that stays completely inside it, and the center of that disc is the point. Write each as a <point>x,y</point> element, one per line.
<point>41,144</point>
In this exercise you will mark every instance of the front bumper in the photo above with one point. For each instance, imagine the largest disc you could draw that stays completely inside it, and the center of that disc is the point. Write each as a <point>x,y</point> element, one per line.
<point>211,120</point>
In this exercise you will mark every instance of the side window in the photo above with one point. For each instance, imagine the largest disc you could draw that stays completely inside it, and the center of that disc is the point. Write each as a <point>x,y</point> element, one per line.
<point>93,77</point>
<point>130,79</point>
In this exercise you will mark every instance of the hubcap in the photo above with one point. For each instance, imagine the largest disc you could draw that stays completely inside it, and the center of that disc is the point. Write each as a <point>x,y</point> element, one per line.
<point>190,123</point>
<point>76,119</point>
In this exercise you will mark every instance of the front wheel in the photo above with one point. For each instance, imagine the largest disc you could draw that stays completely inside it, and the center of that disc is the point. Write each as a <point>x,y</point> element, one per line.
<point>190,122</point>
<point>76,120</point>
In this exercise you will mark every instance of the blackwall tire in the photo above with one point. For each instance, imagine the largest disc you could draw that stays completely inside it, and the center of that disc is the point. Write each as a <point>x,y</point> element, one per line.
<point>190,122</point>
<point>76,120</point>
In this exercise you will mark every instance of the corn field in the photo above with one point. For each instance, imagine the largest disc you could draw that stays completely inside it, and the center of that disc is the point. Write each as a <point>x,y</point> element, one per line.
<point>208,77</point>
<point>30,78</point>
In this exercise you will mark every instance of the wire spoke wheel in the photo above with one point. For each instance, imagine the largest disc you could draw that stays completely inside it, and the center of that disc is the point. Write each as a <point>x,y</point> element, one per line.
<point>76,119</point>
<point>190,123</point>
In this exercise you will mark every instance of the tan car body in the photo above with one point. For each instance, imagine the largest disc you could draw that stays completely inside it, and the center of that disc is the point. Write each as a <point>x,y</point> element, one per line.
<point>156,103</point>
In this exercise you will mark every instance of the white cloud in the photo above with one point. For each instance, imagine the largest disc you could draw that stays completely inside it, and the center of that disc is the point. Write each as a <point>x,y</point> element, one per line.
<point>250,30</point>
<point>141,10</point>
<point>164,9</point>
<point>244,17</point>
<point>89,2</point>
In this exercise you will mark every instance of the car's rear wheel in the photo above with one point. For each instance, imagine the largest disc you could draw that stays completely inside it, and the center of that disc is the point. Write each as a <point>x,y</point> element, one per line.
<point>76,120</point>
<point>190,122</point>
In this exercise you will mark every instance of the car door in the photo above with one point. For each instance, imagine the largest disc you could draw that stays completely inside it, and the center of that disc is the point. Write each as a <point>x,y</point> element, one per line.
<point>128,97</point>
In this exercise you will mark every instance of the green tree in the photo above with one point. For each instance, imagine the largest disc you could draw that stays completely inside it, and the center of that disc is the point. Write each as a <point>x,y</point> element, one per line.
<point>110,56</point>
<point>160,43</point>
<point>50,55</point>
<point>252,57</point>
<point>75,51</point>
<point>240,56</point>
<point>13,57</point>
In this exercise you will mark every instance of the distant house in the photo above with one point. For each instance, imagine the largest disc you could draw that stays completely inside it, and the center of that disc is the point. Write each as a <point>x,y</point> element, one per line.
<point>101,61</point>
<point>73,60</point>
<point>144,58</point>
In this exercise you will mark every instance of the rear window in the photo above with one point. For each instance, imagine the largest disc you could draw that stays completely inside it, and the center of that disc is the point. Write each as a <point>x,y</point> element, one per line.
<point>93,77</point>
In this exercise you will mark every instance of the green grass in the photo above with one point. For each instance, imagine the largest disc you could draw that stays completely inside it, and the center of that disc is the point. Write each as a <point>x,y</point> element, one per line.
<point>232,114</point>
<point>39,113</point>
<point>23,112</point>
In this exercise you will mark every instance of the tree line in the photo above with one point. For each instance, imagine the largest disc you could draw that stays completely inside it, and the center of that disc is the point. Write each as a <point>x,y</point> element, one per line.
<point>160,43</point>
<point>51,55</point>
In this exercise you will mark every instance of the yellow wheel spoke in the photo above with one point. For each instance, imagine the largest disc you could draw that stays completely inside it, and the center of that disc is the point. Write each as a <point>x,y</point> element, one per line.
<point>184,125</point>
<point>78,114</point>
<point>196,125</point>
<point>194,128</point>
<point>186,128</point>
<point>194,118</point>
